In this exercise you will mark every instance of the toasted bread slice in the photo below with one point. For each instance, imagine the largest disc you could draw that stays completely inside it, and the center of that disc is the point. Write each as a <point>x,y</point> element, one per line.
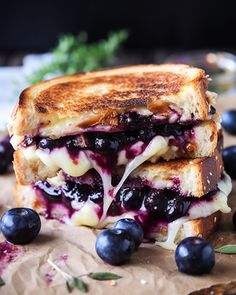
<point>194,177</point>
<point>98,97</point>
<point>201,227</point>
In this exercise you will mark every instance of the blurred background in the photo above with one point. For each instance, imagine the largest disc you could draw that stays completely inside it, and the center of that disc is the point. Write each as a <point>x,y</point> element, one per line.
<point>153,24</point>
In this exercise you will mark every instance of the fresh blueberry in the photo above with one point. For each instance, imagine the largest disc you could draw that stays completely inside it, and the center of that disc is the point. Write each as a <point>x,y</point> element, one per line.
<point>229,121</point>
<point>234,219</point>
<point>133,228</point>
<point>131,198</point>
<point>194,256</point>
<point>115,246</point>
<point>229,157</point>
<point>20,225</point>
<point>6,154</point>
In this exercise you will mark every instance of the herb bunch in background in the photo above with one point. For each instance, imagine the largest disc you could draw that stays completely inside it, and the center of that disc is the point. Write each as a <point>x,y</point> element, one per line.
<point>73,54</point>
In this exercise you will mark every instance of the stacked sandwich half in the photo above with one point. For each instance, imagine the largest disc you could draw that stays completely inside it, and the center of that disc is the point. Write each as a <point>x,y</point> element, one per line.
<point>142,142</point>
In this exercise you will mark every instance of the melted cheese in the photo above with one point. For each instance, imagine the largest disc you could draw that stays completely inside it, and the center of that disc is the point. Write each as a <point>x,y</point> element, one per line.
<point>200,210</point>
<point>60,159</point>
<point>86,216</point>
<point>173,229</point>
<point>87,213</point>
<point>157,146</point>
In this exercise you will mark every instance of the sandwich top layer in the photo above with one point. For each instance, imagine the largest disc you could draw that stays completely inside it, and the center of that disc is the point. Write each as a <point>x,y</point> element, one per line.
<point>167,93</point>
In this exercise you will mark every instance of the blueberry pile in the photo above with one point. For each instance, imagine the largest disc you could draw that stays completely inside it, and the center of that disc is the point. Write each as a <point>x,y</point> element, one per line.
<point>116,245</point>
<point>20,225</point>
<point>6,154</point>
<point>194,256</point>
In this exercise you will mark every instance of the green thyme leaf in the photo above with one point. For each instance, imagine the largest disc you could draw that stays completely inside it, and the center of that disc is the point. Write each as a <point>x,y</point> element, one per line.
<point>227,249</point>
<point>104,276</point>
<point>80,284</point>
<point>2,283</point>
<point>69,286</point>
<point>73,55</point>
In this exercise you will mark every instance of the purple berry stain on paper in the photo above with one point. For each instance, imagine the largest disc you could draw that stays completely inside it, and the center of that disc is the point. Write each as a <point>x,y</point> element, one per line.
<point>8,253</point>
<point>49,276</point>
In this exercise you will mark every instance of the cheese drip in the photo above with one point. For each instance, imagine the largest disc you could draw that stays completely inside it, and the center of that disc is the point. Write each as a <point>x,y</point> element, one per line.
<point>200,210</point>
<point>157,146</point>
<point>59,158</point>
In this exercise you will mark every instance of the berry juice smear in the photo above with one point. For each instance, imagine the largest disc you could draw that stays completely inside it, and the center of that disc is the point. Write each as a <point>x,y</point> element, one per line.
<point>8,253</point>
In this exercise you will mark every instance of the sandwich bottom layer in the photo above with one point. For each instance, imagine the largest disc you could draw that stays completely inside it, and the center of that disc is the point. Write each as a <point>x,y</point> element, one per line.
<point>166,215</point>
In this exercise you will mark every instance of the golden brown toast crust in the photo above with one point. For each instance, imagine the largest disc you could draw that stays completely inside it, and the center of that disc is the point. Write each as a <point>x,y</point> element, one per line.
<point>201,227</point>
<point>107,93</point>
<point>207,172</point>
<point>204,227</point>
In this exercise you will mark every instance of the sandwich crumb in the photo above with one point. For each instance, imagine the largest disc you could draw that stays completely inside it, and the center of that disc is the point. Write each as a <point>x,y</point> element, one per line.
<point>212,292</point>
<point>143,282</point>
<point>113,283</point>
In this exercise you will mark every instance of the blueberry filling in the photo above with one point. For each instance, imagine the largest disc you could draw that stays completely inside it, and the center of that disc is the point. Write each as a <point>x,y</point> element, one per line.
<point>132,120</point>
<point>212,110</point>
<point>111,143</point>
<point>70,191</point>
<point>131,198</point>
<point>164,205</point>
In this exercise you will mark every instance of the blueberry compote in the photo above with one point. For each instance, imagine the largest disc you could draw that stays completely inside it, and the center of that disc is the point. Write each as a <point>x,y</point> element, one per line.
<point>149,205</point>
<point>162,205</point>
<point>132,128</point>
<point>68,193</point>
